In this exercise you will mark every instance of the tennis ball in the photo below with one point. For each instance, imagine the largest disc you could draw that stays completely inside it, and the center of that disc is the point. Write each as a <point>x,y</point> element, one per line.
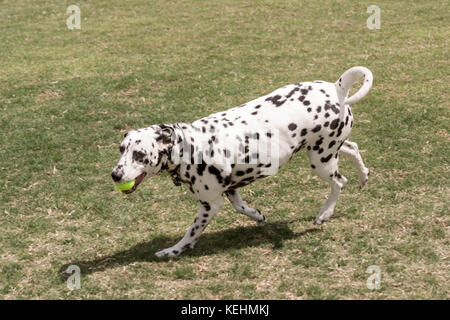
<point>126,185</point>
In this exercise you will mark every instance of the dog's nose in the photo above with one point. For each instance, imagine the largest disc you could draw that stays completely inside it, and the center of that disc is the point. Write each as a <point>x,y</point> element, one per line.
<point>116,177</point>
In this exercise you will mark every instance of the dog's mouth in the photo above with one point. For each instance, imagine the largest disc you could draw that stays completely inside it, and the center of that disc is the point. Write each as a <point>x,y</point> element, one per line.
<point>138,180</point>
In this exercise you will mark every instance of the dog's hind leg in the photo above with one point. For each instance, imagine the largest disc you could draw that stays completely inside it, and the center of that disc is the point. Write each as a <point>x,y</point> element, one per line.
<point>326,167</point>
<point>242,206</point>
<point>350,150</point>
<point>206,212</point>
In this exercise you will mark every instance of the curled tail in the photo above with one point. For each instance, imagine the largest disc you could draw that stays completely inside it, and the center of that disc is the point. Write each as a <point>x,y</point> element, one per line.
<point>347,79</point>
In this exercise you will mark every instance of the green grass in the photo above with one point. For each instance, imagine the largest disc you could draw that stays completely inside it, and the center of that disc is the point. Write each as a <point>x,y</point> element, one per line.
<point>66,98</point>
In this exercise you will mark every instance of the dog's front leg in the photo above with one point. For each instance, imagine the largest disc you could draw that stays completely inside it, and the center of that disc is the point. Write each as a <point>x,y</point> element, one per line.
<point>206,212</point>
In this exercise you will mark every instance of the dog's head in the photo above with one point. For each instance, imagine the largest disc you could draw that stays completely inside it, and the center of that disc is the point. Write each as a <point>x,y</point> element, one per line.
<point>143,153</point>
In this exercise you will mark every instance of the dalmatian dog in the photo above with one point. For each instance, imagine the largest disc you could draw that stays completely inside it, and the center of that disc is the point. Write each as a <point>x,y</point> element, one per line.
<point>218,154</point>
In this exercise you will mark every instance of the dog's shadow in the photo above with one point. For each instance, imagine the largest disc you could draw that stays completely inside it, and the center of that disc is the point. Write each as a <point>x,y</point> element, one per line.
<point>235,238</point>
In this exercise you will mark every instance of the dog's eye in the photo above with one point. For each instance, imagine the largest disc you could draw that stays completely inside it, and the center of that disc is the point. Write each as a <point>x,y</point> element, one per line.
<point>138,155</point>
<point>121,149</point>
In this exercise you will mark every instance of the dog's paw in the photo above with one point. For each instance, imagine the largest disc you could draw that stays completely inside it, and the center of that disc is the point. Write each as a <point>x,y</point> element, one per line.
<point>167,253</point>
<point>260,219</point>
<point>363,178</point>
<point>323,217</point>
<point>318,221</point>
<point>261,222</point>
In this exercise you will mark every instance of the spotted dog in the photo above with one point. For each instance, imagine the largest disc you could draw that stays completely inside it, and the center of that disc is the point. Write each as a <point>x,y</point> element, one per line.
<point>222,152</point>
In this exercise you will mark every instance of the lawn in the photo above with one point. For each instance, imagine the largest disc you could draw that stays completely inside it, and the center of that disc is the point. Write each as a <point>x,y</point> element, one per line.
<point>68,96</point>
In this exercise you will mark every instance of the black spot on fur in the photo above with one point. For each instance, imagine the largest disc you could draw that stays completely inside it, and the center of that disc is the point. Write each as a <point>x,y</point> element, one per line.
<point>227,180</point>
<point>213,170</point>
<point>227,153</point>
<point>334,124</point>
<point>334,109</point>
<point>276,100</point>
<point>292,92</point>
<point>206,206</point>
<point>327,158</point>
<point>201,168</point>
<point>319,142</point>
<point>340,129</point>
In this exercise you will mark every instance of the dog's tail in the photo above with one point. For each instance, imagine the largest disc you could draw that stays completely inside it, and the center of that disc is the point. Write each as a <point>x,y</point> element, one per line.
<point>347,79</point>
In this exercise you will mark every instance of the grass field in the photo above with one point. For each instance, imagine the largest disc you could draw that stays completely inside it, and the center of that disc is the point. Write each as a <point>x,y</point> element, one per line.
<point>67,97</point>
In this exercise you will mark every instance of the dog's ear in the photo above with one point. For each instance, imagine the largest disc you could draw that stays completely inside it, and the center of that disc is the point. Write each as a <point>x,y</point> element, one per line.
<point>165,137</point>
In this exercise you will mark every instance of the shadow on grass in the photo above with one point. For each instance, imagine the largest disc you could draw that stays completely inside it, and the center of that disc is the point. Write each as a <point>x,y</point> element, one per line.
<point>209,243</point>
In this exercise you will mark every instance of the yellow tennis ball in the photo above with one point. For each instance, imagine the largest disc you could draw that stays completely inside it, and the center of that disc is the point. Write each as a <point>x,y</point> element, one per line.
<point>126,185</point>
